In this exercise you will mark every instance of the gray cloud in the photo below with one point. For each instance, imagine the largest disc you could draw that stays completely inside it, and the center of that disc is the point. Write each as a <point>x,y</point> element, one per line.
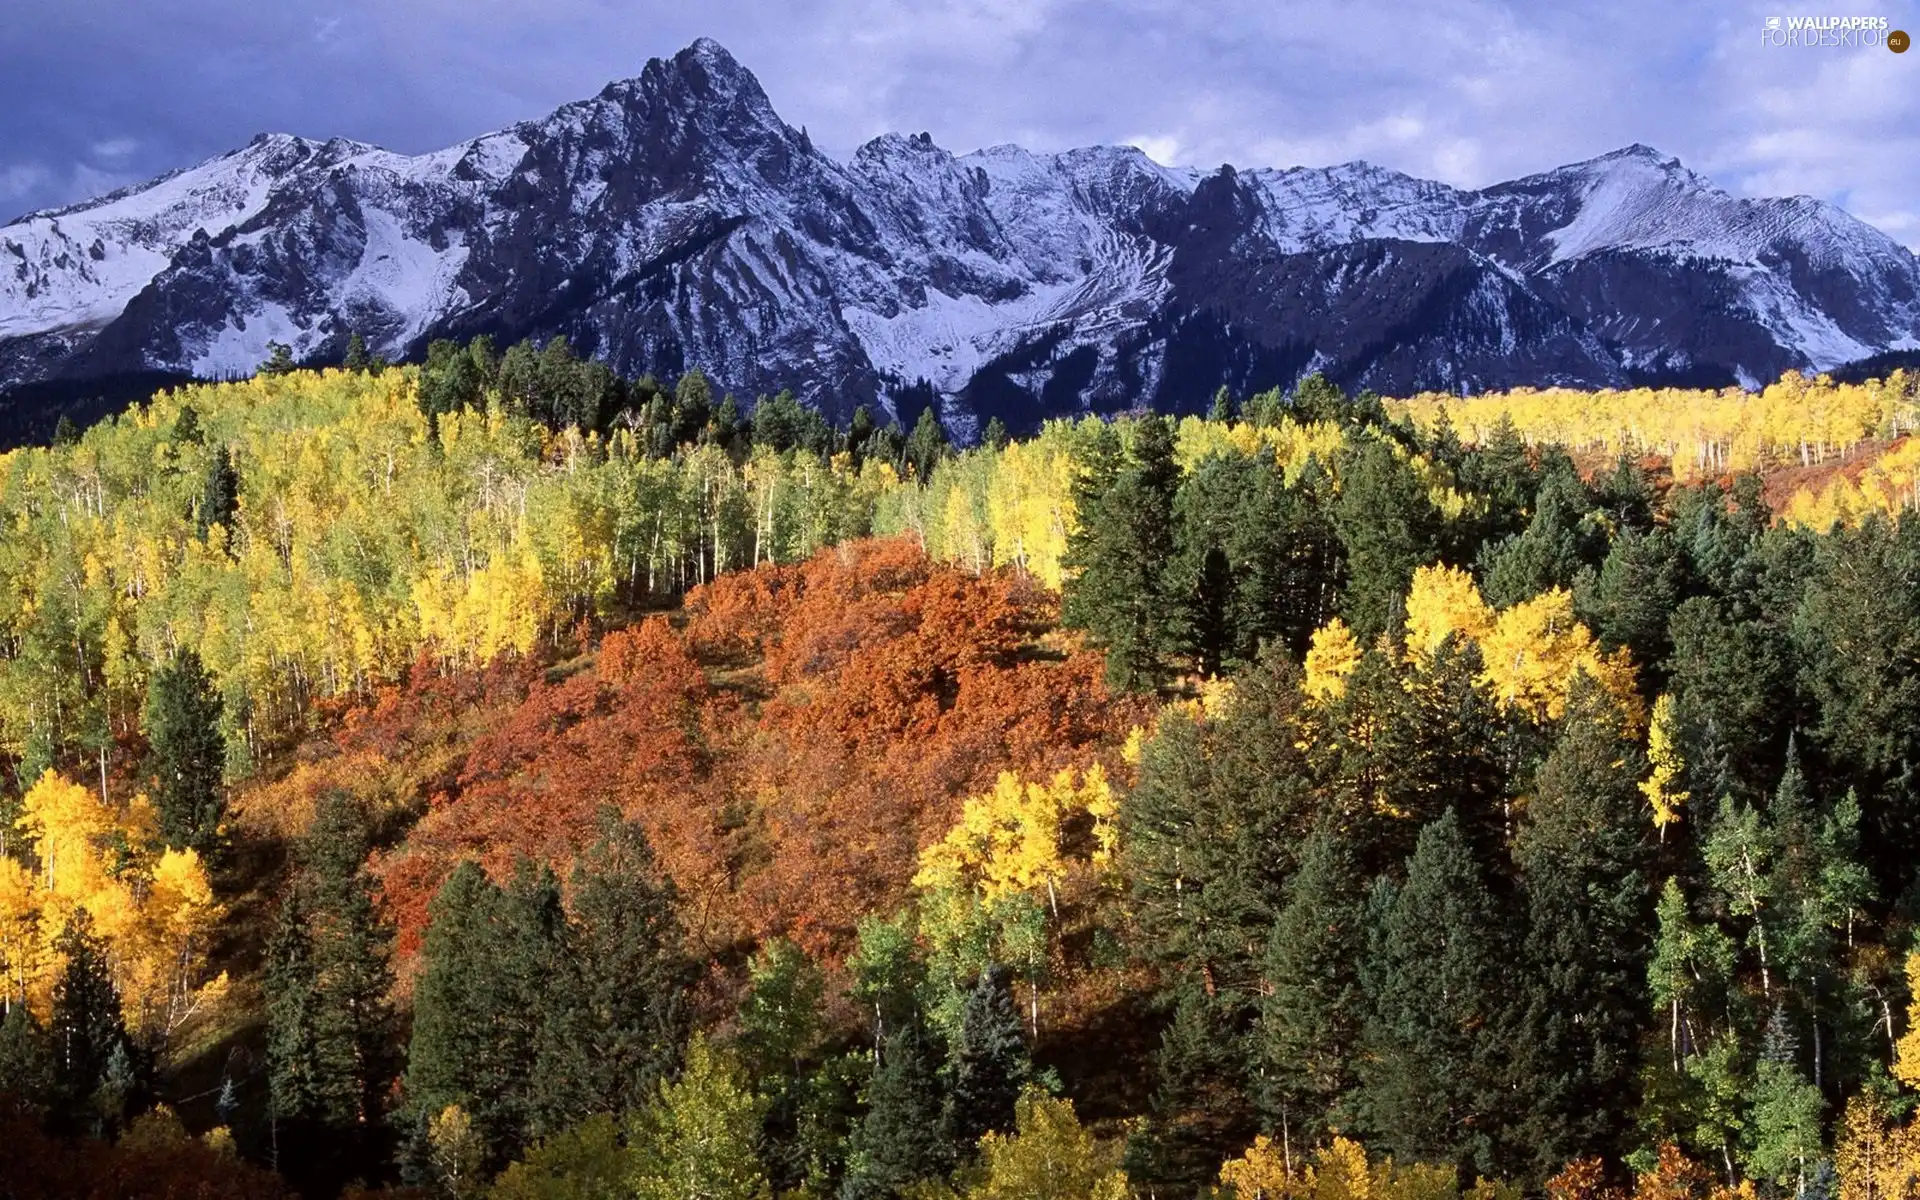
<point>93,94</point>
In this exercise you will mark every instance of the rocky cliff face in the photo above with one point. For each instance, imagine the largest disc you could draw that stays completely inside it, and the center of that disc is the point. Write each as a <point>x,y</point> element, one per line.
<point>675,220</point>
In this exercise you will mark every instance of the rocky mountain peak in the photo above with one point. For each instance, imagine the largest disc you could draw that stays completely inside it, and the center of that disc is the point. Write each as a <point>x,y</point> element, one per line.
<point>676,220</point>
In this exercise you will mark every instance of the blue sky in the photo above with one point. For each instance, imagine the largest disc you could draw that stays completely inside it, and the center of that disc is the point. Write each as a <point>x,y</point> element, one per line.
<point>96,93</point>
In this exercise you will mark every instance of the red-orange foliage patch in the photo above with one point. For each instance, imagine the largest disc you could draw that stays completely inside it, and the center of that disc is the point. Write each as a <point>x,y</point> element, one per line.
<point>789,749</point>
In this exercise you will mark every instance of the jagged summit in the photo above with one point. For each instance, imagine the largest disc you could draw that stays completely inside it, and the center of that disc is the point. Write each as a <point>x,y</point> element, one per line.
<point>675,219</point>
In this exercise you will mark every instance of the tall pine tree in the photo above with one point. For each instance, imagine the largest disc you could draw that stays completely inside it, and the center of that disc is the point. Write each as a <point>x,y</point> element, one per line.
<point>990,1064</point>
<point>902,1140</point>
<point>1436,975</point>
<point>187,754</point>
<point>1583,853</point>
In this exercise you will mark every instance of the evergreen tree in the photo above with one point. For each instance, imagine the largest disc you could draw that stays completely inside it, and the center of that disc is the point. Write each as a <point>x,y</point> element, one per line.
<point>1317,398</point>
<point>1208,833</point>
<point>1201,1109</point>
<point>528,986</point>
<point>26,1060</point>
<point>220,498</point>
<point>292,999</point>
<point>356,357</point>
<point>631,979</point>
<point>1582,853</point>
<point>1388,526</point>
<point>186,427</point>
<point>187,752</point>
<point>1549,554</point>
<point>1435,976</point>
<point>452,1026</point>
<point>453,378</point>
<point>1222,409</point>
<point>1501,470</point>
<point>989,1061</point>
<point>995,436</point>
<point>860,433</point>
<point>95,1068</point>
<point>330,1031</point>
<point>1310,1018</point>
<point>1119,590</point>
<point>280,360</point>
<point>1207,508</point>
<point>901,1141</point>
<point>926,445</point>
<point>1630,602</point>
<point>1439,743</point>
<point>65,431</point>
<point>692,406</point>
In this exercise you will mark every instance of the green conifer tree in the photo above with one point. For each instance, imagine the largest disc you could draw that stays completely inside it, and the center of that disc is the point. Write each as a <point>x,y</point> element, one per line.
<point>1436,974</point>
<point>901,1141</point>
<point>220,498</point>
<point>26,1060</point>
<point>624,1013</point>
<point>1583,854</point>
<point>989,1061</point>
<point>95,1068</point>
<point>187,752</point>
<point>1389,526</point>
<point>1310,1016</point>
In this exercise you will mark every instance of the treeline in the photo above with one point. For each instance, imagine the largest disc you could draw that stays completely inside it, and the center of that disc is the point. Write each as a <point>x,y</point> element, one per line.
<point>1796,420</point>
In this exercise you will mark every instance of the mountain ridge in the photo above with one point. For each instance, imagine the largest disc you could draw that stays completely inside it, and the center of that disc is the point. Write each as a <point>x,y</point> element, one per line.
<point>675,220</point>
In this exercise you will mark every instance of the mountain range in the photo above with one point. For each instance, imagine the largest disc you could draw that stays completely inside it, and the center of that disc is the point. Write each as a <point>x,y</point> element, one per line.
<point>675,220</point>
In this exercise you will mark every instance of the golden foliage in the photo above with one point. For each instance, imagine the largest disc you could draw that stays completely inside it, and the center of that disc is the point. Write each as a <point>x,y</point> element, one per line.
<point>1443,602</point>
<point>1702,432</point>
<point>152,907</point>
<point>1332,654</point>
<point>1534,652</point>
<point>1661,787</point>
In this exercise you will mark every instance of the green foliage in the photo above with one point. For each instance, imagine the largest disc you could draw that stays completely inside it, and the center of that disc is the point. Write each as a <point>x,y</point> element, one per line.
<point>98,1074</point>
<point>187,753</point>
<point>1310,1019</point>
<point>989,1061</point>
<point>901,1142</point>
<point>26,1060</point>
<point>1583,854</point>
<point>330,1030</point>
<point>1435,977</point>
<point>697,1138</point>
<point>220,497</point>
<point>1119,591</point>
<point>1388,526</point>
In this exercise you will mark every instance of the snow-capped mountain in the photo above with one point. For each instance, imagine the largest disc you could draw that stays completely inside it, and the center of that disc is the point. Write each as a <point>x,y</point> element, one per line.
<point>675,220</point>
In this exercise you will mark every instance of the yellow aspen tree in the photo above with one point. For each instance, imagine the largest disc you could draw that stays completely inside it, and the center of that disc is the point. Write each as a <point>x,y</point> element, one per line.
<point>1341,1172</point>
<point>1332,655</point>
<point>1264,1172</point>
<point>1661,787</point>
<point>1906,1052</point>
<point>1444,601</point>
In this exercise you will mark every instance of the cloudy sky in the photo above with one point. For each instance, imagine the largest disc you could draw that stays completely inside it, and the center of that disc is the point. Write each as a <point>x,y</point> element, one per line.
<point>96,93</point>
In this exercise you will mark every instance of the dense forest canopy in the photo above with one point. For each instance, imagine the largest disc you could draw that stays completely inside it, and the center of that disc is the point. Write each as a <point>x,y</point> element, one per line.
<point>496,777</point>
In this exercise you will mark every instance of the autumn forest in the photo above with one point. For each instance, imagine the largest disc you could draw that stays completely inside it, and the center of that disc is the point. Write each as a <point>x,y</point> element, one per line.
<point>494,777</point>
